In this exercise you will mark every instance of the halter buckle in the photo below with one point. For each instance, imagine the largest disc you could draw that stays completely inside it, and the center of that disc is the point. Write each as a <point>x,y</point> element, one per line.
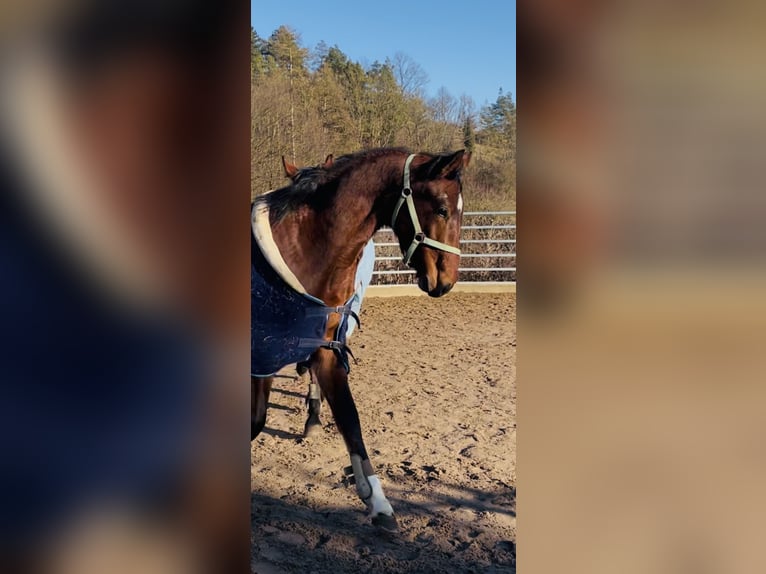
<point>419,237</point>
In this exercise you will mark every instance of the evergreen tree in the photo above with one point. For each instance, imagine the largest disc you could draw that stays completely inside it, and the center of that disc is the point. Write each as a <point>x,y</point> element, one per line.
<point>257,63</point>
<point>498,122</point>
<point>283,51</point>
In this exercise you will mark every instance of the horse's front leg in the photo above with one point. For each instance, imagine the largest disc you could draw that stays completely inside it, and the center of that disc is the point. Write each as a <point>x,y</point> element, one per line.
<point>260,388</point>
<point>313,399</point>
<point>333,380</point>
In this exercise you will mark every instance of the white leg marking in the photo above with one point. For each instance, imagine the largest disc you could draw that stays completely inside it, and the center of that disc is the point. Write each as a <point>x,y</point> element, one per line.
<point>378,503</point>
<point>460,202</point>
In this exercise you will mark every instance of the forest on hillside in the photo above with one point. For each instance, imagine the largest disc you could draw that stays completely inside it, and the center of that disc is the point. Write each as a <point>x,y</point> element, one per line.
<point>310,102</point>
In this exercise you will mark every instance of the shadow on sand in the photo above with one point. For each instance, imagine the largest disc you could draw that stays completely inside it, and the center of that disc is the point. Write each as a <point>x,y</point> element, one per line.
<point>292,537</point>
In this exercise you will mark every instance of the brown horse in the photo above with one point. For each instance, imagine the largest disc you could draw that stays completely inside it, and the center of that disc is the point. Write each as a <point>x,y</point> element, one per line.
<point>320,225</point>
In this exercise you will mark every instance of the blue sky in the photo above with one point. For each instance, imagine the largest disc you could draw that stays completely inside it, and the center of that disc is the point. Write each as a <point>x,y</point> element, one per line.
<point>466,47</point>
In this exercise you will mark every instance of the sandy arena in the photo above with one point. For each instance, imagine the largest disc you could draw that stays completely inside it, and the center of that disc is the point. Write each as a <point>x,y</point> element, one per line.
<point>435,387</point>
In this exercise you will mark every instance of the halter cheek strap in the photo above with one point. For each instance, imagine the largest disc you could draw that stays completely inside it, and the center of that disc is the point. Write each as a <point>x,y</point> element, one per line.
<point>420,237</point>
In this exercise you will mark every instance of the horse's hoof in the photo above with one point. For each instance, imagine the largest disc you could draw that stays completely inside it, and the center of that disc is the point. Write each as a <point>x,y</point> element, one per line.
<point>311,429</point>
<point>385,522</point>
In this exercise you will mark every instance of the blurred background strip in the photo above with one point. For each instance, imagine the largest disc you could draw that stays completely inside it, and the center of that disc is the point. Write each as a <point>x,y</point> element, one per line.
<point>641,362</point>
<point>124,162</point>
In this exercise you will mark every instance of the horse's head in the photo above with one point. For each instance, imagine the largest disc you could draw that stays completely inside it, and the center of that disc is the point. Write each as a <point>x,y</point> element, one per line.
<point>430,237</point>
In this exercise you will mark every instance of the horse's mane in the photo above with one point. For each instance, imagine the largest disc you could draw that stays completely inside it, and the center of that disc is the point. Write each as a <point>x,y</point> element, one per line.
<point>316,186</point>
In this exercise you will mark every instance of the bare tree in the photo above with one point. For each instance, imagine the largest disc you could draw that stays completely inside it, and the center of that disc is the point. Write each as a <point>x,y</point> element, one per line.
<point>444,106</point>
<point>466,108</point>
<point>410,76</point>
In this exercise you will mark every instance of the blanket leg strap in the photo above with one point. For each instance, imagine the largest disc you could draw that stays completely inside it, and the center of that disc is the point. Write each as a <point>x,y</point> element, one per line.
<point>338,347</point>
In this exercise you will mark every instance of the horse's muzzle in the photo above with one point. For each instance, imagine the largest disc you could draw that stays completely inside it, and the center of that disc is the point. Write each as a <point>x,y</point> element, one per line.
<point>439,290</point>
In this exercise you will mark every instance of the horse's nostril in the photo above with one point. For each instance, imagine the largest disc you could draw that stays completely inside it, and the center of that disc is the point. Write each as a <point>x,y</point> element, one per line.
<point>441,289</point>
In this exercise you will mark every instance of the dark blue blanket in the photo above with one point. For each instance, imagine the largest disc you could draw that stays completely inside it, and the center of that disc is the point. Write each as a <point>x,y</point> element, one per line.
<point>286,326</point>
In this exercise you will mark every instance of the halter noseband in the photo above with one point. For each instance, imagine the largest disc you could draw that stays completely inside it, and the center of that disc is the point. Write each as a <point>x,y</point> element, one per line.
<point>420,236</point>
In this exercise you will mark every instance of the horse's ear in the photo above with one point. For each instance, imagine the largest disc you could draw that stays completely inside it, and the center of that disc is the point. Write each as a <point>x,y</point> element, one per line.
<point>327,162</point>
<point>290,169</point>
<point>444,166</point>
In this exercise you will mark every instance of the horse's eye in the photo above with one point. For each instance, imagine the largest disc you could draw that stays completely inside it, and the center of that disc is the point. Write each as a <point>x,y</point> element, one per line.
<point>442,212</point>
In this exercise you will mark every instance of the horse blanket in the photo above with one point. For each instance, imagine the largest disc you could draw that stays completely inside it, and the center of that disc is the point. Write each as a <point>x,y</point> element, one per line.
<point>287,324</point>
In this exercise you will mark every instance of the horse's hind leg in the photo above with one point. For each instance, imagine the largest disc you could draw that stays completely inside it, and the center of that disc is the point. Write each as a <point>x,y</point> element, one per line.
<point>333,380</point>
<point>313,400</point>
<point>260,388</point>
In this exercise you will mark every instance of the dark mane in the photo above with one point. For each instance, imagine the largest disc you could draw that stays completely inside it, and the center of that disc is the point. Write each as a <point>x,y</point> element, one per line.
<point>316,186</point>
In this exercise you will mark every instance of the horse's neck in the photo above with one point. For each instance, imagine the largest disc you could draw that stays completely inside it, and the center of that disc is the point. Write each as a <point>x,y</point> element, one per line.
<point>323,248</point>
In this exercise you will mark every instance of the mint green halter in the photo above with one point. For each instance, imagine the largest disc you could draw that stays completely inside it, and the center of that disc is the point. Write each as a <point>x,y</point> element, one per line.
<point>420,237</point>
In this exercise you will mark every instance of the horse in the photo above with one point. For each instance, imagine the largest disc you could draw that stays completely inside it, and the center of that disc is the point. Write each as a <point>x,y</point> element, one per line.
<point>364,275</point>
<point>306,243</point>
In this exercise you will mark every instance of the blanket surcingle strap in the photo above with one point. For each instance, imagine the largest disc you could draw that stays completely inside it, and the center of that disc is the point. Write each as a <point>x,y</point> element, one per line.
<point>287,324</point>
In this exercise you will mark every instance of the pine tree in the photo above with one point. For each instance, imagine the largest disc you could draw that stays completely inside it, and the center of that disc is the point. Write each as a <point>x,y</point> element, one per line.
<point>283,51</point>
<point>498,123</point>
<point>257,63</point>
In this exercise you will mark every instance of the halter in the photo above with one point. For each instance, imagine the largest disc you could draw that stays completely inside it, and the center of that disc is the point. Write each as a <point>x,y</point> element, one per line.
<point>420,236</point>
